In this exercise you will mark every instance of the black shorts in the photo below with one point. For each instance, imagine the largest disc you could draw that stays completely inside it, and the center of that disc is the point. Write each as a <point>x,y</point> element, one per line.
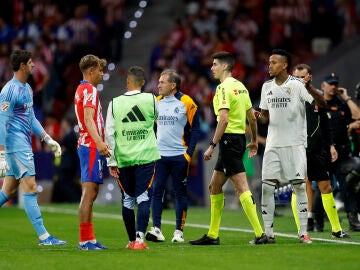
<point>318,165</point>
<point>231,152</point>
<point>135,180</point>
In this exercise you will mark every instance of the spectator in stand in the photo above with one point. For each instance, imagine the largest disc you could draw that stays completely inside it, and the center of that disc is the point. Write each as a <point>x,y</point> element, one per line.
<point>5,70</point>
<point>205,22</point>
<point>245,32</point>
<point>41,76</point>
<point>84,31</point>
<point>222,9</point>
<point>52,126</point>
<point>256,10</point>
<point>325,23</point>
<point>28,33</point>
<point>280,28</point>
<point>189,82</point>
<point>44,10</point>
<point>204,98</point>
<point>152,85</point>
<point>176,35</point>
<point>115,27</point>
<point>7,32</point>
<point>156,53</point>
<point>43,46</point>
<point>60,31</point>
<point>73,76</point>
<point>300,23</point>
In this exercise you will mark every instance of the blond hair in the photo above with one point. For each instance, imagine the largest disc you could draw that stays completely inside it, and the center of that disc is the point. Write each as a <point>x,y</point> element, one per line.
<point>89,61</point>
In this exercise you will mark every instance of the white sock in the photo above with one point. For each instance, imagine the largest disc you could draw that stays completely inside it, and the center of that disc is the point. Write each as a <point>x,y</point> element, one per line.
<point>44,236</point>
<point>301,204</point>
<point>268,207</point>
<point>140,237</point>
<point>91,241</point>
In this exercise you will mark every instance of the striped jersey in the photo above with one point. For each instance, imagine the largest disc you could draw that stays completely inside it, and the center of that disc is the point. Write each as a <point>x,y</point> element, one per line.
<point>87,96</point>
<point>17,118</point>
<point>178,127</point>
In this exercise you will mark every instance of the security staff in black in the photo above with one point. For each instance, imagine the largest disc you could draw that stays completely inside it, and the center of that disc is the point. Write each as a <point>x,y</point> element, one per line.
<point>320,151</point>
<point>318,156</point>
<point>340,112</point>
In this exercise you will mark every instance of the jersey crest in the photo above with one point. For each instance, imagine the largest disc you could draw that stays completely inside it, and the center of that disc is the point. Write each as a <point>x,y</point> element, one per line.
<point>5,106</point>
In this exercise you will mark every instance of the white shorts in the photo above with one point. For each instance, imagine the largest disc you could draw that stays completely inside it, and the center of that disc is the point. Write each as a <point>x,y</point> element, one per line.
<point>284,163</point>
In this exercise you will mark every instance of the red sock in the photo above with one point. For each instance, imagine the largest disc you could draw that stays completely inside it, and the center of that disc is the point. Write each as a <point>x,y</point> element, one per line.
<point>86,232</point>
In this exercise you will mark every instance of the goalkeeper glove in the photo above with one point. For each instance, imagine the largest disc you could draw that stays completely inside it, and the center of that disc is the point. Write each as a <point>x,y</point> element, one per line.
<point>54,146</point>
<point>3,164</point>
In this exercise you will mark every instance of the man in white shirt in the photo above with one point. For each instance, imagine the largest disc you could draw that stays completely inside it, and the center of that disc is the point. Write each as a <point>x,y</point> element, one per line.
<point>283,104</point>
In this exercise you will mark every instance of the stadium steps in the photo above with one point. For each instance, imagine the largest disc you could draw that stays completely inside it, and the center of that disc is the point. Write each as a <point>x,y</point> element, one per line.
<point>157,18</point>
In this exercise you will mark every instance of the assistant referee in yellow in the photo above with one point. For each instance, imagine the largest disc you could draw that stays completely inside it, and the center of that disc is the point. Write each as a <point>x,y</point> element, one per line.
<point>232,105</point>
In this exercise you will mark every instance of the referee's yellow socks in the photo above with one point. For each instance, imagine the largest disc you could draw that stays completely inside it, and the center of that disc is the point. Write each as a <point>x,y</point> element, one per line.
<point>217,206</point>
<point>249,206</point>
<point>331,211</point>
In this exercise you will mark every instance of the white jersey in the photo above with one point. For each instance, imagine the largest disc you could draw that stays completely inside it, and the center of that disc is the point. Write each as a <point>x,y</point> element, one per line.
<point>287,115</point>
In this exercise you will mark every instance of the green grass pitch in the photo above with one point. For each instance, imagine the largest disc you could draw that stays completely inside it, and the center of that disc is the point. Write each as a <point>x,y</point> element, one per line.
<point>19,249</point>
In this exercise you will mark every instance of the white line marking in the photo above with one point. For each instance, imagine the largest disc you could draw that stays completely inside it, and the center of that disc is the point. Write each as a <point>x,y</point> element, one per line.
<point>113,216</point>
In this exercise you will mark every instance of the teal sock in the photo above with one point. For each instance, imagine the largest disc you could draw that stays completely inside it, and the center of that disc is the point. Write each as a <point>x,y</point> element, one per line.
<point>33,212</point>
<point>3,198</point>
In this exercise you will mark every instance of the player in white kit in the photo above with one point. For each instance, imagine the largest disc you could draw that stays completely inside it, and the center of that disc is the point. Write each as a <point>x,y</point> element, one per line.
<point>283,104</point>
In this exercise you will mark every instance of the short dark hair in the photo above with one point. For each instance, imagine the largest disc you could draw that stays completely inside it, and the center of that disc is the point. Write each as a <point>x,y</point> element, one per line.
<point>89,61</point>
<point>285,54</point>
<point>225,57</point>
<point>138,73</point>
<point>302,67</point>
<point>174,77</point>
<point>18,57</point>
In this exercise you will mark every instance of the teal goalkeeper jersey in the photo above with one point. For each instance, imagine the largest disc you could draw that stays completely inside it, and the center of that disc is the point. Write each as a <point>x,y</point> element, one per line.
<point>17,118</point>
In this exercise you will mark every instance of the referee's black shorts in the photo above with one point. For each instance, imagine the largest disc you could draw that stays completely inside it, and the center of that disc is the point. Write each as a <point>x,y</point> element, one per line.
<point>231,152</point>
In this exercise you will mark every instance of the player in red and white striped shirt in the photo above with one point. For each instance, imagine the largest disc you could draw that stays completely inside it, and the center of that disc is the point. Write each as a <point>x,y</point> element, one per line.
<point>92,149</point>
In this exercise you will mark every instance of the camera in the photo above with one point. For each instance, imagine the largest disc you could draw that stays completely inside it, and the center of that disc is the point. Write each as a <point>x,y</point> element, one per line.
<point>357,90</point>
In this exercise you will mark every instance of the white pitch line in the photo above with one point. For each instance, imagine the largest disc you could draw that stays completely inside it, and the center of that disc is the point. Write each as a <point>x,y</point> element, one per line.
<point>193,225</point>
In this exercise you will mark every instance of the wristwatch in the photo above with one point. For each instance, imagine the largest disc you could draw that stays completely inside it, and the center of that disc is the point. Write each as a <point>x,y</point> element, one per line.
<point>213,144</point>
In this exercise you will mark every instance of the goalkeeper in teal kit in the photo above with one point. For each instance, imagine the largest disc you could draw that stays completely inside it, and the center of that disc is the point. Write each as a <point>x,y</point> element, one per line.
<point>17,123</point>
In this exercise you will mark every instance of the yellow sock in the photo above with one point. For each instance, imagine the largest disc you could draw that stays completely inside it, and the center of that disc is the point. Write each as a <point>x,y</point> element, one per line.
<point>249,206</point>
<point>217,206</point>
<point>295,211</point>
<point>330,209</point>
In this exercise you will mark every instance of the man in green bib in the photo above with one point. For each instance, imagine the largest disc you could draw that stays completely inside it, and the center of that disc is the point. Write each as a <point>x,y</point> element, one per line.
<point>130,134</point>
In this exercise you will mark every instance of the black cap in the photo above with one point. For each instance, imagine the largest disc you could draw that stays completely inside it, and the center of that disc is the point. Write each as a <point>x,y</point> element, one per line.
<point>332,78</point>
